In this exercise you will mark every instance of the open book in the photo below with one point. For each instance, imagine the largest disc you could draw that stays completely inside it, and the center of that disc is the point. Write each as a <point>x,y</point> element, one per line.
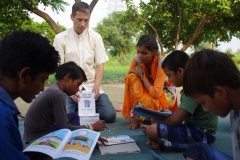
<point>145,112</point>
<point>119,139</point>
<point>77,144</point>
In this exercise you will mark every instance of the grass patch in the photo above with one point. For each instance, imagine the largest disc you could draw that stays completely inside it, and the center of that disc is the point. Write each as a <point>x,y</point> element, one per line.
<point>114,70</point>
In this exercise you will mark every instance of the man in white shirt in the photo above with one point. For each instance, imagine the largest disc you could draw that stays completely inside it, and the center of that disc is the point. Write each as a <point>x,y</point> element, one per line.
<point>85,47</point>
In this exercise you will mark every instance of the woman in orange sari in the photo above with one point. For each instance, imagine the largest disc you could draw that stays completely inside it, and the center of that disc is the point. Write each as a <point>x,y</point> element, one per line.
<point>144,82</point>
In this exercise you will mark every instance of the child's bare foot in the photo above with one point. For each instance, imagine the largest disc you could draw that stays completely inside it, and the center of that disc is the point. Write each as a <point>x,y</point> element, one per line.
<point>135,124</point>
<point>152,144</point>
<point>143,127</point>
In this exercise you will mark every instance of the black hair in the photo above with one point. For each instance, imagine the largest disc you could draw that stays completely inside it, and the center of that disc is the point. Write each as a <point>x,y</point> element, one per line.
<point>72,68</point>
<point>27,49</point>
<point>208,68</point>
<point>175,60</point>
<point>149,42</point>
<point>81,7</point>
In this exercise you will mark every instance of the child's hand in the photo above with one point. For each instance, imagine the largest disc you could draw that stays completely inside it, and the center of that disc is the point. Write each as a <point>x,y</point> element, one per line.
<point>102,140</point>
<point>99,125</point>
<point>76,97</point>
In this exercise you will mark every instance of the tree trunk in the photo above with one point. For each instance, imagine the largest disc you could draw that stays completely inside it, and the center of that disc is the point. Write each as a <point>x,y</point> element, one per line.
<point>179,25</point>
<point>196,33</point>
<point>93,4</point>
<point>46,17</point>
<point>155,31</point>
<point>42,14</point>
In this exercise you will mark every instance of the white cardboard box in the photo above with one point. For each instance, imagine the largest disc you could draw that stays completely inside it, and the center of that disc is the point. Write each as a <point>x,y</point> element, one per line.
<point>89,119</point>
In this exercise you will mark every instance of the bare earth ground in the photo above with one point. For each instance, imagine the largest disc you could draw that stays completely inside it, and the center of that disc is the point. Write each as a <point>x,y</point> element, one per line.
<point>114,91</point>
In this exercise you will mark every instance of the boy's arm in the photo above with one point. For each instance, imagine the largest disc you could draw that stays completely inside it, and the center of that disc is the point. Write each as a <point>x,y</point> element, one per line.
<point>175,119</point>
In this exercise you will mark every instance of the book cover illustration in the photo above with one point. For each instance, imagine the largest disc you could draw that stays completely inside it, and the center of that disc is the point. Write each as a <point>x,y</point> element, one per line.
<point>119,139</point>
<point>86,104</point>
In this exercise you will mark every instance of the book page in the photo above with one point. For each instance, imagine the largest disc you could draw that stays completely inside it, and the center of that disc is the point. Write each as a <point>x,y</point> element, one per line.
<point>50,143</point>
<point>119,139</point>
<point>86,104</point>
<point>80,144</point>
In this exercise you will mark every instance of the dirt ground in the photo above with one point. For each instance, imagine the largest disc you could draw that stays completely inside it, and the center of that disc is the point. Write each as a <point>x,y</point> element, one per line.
<point>114,91</point>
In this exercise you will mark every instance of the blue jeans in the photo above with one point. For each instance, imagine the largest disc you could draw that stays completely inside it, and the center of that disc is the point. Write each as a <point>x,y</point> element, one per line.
<point>103,106</point>
<point>200,151</point>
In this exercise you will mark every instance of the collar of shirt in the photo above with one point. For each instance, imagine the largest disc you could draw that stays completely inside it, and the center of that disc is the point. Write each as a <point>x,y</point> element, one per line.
<point>8,101</point>
<point>78,36</point>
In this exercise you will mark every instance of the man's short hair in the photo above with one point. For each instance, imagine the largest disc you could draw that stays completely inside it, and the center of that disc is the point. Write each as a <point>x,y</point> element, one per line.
<point>208,68</point>
<point>27,49</point>
<point>81,7</point>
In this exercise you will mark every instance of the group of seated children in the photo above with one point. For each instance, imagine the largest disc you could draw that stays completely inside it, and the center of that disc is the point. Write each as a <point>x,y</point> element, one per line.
<point>210,80</point>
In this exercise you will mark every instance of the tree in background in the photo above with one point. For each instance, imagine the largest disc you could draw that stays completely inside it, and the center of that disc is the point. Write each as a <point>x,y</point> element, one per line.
<point>118,36</point>
<point>184,22</point>
<point>16,12</point>
<point>42,28</point>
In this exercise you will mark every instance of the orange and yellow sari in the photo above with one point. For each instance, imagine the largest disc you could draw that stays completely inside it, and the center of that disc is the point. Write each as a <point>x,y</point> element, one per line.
<point>135,92</point>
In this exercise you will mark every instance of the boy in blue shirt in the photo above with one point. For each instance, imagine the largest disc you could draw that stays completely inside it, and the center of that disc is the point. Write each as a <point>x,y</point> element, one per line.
<point>26,60</point>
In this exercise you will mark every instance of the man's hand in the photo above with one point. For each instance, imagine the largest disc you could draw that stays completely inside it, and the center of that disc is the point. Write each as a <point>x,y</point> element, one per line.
<point>76,97</point>
<point>96,90</point>
<point>99,125</point>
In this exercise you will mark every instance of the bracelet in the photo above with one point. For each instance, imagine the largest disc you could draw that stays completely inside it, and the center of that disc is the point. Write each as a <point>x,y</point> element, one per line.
<point>88,126</point>
<point>92,126</point>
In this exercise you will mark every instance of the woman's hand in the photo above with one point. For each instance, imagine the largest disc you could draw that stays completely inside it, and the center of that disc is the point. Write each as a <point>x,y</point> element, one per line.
<point>138,70</point>
<point>99,125</point>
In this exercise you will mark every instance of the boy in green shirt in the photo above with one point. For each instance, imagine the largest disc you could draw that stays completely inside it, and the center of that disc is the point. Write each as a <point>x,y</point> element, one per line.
<point>189,124</point>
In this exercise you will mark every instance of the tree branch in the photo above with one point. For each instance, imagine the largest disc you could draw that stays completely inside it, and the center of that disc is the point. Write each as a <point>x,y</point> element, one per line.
<point>196,32</point>
<point>93,3</point>
<point>216,16</point>
<point>179,25</point>
<point>155,31</point>
<point>42,14</point>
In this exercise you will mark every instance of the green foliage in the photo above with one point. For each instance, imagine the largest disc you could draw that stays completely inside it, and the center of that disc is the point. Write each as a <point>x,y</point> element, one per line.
<point>236,58</point>
<point>16,12</point>
<point>118,38</point>
<point>42,28</point>
<point>208,21</point>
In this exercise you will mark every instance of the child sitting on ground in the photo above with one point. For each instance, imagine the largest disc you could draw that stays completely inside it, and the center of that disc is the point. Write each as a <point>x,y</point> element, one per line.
<point>144,81</point>
<point>213,80</point>
<point>47,113</point>
<point>26,60</point>
<point>189,123</point>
